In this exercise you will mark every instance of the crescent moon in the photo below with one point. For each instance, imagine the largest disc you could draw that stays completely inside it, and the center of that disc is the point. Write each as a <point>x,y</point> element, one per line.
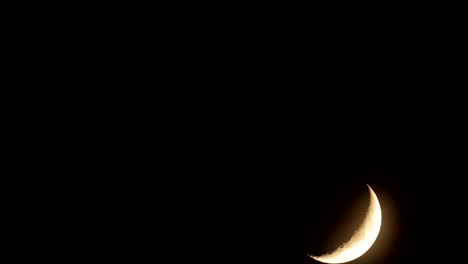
<point>363,238</point>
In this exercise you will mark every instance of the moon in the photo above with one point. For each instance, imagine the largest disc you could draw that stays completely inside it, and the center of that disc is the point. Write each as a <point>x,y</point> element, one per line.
<point>363,238</point>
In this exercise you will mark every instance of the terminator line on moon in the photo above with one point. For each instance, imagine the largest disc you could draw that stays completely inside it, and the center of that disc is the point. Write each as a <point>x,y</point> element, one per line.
<point>363,238</point>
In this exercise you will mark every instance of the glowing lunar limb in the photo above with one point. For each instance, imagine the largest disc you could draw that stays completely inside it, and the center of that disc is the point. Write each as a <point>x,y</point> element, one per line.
<point>362,239</point>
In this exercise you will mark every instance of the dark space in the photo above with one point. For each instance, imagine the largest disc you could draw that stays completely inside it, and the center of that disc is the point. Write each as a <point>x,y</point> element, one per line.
<point>267,188</point>
<point>303,198</point>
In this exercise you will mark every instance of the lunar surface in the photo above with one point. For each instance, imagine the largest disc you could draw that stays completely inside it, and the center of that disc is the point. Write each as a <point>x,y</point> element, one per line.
<point>363,238</point>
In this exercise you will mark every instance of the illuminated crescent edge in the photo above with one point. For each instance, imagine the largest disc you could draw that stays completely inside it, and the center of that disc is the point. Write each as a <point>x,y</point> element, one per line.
<point>362,240</point>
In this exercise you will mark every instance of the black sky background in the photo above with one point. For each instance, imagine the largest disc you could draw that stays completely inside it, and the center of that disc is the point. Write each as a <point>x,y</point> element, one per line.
<point>285,197</point>
<point>271,187</point>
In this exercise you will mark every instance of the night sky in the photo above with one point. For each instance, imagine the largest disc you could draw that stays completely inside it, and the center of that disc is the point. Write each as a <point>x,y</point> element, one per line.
<point>275,193</point>
<point>311,201</point>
